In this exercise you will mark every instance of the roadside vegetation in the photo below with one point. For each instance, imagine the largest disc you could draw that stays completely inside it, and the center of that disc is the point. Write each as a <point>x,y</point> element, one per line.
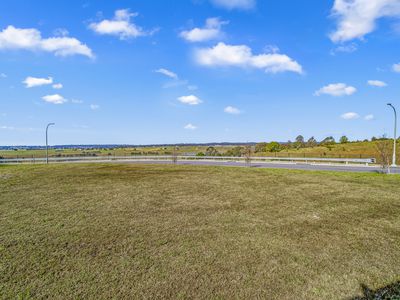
<point>301,147</point>
<point>169,231</point>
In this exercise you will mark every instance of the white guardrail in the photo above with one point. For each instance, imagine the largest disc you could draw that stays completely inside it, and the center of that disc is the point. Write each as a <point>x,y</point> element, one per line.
<point>365,161</point>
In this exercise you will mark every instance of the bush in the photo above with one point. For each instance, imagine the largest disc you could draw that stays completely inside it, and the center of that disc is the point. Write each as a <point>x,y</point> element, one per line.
<point>274,147</point>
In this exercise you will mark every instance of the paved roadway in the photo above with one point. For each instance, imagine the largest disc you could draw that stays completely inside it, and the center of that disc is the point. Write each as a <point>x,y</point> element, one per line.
<point>272,165</point>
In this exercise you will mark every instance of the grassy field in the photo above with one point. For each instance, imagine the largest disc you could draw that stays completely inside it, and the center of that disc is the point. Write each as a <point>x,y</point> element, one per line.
<point>142,231</point>
<point>167,150</point>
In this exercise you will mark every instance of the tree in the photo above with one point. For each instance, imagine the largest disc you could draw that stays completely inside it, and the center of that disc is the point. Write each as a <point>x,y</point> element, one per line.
<point>211,151</point>
<point>312,142</point>
<point>344,140</point>
<point>328,141</point>
<point>236,151</point>
<point>383,147</point>
<point>299,143</point>
<point>261,147</point>
<point>300,139</point>
<point>247,154</point>
<point>174,156</point>
<point>274,147</point>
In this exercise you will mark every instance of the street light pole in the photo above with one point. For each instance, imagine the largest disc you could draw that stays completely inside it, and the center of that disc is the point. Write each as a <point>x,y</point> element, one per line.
<point>47,144</point>
<point>395,135</point>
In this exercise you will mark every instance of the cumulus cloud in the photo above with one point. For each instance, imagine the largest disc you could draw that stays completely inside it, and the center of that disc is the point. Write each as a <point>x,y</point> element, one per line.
<point>232,110</point>
<point>242,56</point>
<point>120,26</point>
<point>190,100</point>
<point>356,18</point>
<point>369,117</point>
<point>377,83</point>
<point>167,73</point>
<point>12,38</point>
<point>211,31</point>
<point>396,68</point>
<point>3,75</point>
<point>55,99</point>
<point>336,89</point>
<point>57,86</point>
<point>36,81</point>
<point>94,106</point>
<point>190,127</point>
<point>235,4</point>
<point>350,116</point>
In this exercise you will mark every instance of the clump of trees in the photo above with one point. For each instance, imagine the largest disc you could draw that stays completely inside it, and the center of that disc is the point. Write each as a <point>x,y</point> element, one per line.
<point>236,151</point>
<point>299,143</point>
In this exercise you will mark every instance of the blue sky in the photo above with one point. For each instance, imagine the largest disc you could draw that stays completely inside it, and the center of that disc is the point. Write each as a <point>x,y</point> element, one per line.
<point>140,72</point>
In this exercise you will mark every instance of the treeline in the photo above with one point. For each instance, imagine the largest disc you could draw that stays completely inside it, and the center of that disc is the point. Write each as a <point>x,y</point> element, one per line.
<point>299,143</point>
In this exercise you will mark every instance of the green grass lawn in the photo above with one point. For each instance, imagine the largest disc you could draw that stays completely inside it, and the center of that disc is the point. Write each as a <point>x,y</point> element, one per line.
<point>141,231</point>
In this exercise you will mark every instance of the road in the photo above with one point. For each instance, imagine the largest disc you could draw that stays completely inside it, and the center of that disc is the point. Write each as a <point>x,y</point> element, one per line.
<point>274,165</point>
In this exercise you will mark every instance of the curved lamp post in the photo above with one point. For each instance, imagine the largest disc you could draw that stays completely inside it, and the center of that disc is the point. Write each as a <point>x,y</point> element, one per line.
<point>47,145</point>
<point>395,135</point>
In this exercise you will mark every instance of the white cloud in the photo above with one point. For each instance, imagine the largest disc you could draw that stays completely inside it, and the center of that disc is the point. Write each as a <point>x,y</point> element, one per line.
<point>235,4</point>
<point>7,127</point>
<point>76,101</point>
<point>60,32</point>
<point>94,106</point>
<point>190,126</point>
<point>211,31</point>
<point>350,116</point>
<point>232,110</point>
<point>55,99</point>
<point>190,100</point>
<point>25,129</point>
<point>344,49</point>
<point>120,26</point>
<point>35,81</point>
<point>242,56</point>
<point>13,38</point>
<point>356,18</point>
<point>336,89</point>
<point>3,75</point>
<point>369,117</point>
<point>167,73</point>
<point>377,83</point>
<point>174,83</point>
<point>57,86</point>
<point>396,68</point>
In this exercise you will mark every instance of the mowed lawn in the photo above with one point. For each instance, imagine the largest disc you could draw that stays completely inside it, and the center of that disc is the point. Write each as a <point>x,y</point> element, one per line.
<point>104,231</point>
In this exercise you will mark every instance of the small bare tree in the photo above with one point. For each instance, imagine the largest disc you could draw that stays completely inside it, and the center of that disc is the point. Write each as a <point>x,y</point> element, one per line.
<point>383,147</point>
<point>174,156</point>
<point>247,154</point>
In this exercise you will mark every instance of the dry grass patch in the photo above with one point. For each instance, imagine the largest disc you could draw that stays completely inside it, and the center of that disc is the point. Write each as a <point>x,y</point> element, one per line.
<point>133,231</point>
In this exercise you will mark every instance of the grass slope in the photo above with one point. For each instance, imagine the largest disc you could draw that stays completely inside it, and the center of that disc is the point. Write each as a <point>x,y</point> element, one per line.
<point>133,231</point>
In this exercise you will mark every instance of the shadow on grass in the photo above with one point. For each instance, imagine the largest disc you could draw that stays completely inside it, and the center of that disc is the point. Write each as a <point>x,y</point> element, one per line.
<point>391,291</point>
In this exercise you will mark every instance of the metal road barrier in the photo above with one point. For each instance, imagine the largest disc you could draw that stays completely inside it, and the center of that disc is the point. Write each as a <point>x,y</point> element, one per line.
<point>259,159</point>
